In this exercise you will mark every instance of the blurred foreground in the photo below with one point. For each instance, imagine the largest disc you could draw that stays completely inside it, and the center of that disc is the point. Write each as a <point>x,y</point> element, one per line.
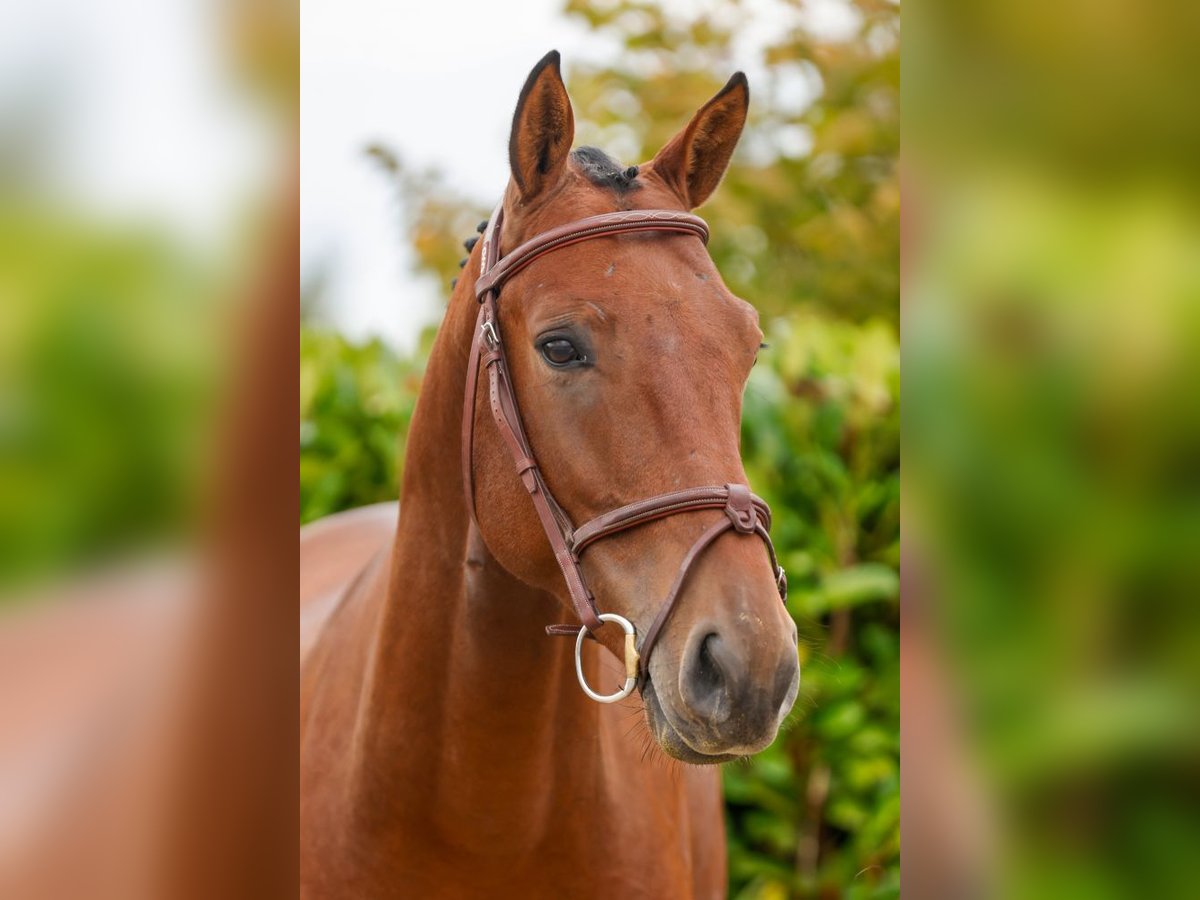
<point>1051,330</point>
<point>147,322</point>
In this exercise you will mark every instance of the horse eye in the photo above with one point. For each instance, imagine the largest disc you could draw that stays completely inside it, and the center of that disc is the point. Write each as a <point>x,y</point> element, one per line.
<point>560,352</point>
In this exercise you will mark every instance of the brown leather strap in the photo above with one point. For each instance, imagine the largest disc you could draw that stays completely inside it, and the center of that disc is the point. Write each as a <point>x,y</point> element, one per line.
<point>468,423</point>
<point>659,507</point>
<point>493,277</point>
<point>744,512</point>
<point>489,250</point>
<point>508,421</point>
<point>668,603</point>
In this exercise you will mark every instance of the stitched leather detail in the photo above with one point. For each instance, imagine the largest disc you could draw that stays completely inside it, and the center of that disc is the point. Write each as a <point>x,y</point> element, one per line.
<point>493,277</point>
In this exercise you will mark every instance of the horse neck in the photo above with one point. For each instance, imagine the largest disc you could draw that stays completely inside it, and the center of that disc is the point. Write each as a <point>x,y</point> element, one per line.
<point>468,710</point>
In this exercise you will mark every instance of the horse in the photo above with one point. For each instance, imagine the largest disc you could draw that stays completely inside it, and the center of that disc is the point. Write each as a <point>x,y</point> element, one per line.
<point>445,751</point>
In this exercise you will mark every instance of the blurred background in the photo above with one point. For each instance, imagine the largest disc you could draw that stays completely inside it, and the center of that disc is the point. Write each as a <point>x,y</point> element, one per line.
<point>1051,440</point>
<point>405,122</point>
<point>139,169</point>
<point>148,206</point>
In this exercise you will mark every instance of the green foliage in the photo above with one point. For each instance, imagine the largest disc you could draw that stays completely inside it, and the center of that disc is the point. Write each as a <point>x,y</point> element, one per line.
<point>810,211</point>
<point>806,226</point>
<point>1054,471</point>
<point>355,405</point>
<point>106,382</point>
<point>817,814</point>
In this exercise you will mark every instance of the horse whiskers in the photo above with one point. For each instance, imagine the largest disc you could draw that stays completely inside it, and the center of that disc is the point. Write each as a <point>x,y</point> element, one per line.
<point>790,721</point>
<point>654,753</point>
<point>634,719</point>
<point>646,741</point>
<point>635,725</point>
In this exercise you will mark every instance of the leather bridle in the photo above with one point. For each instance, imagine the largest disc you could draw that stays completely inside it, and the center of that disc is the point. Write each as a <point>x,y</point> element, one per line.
<point>745,513</point>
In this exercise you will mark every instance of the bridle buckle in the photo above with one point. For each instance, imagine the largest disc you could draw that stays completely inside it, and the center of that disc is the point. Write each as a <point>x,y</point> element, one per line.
<point>490,335</point>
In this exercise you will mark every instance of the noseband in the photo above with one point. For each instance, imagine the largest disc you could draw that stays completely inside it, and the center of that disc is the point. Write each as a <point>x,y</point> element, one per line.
<point>745,513</point>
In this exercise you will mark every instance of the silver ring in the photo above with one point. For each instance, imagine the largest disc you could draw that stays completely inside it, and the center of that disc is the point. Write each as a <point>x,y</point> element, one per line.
<point>631,660</point>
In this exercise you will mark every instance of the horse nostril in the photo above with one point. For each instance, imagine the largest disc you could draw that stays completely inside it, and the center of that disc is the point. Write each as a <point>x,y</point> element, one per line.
<point>708,674</point>
<point>704,680</point>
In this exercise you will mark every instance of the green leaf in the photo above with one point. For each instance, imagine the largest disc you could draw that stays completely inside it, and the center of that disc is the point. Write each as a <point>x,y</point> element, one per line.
<point>858,585</point>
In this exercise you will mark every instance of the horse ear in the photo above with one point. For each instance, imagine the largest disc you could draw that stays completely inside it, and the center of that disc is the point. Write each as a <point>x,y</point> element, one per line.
<point>543,129</point>
<point>694,160</point>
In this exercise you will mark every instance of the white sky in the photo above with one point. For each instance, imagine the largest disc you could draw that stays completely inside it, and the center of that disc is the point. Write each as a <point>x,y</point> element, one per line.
<point>141,121</point>
<point>437,83</point>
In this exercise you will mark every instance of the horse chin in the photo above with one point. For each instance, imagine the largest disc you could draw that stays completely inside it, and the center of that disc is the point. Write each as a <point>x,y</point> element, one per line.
<point>669,737</point>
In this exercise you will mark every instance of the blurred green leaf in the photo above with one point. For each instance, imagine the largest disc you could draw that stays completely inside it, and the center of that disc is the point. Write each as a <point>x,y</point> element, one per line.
<point>865,583</point>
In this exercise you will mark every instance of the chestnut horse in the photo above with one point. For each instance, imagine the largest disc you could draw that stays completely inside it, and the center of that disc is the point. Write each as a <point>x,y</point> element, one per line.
<point>446,749</point>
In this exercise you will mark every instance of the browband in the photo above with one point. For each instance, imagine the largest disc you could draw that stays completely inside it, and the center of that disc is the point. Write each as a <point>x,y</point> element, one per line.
<point>493,278</point>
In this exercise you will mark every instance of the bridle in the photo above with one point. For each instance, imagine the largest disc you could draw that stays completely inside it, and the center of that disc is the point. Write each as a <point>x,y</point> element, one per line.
<point>745,513</point>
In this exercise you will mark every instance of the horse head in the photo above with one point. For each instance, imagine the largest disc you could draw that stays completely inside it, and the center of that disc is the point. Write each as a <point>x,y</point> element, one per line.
<point>628,357</point>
